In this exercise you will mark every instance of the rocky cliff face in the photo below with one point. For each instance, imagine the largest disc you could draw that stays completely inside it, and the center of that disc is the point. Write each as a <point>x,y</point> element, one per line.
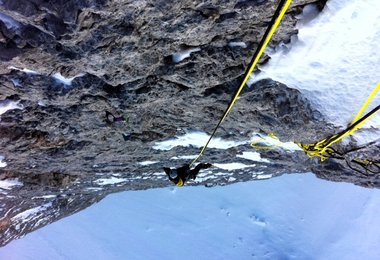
<point>169,68</point>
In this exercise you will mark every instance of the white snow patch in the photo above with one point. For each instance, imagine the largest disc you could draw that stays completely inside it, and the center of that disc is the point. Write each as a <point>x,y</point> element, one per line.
<point>148,162</point>
<point>94,188</point>
<point>30,213</point>
<point>159,174</point>
<point>253,156</point>
<point>180,56</point>
<point>335,61</point>
<point>230,179</point>
<point>66,81</point>
<point>185,157</point>
<point>203,178</point>
<point>366,135</point>
<point>16,83</point>
<point>45,197</point>
<point>196,139</point>
<point>6,105</point>
<point>9,22</point>
<point>110,181</point>
<point>2,163</point>
<point>237,44</point>
<point>232,166</point>
<point>27,71</point>
<point>269,141</point>
<point>263,176</point>
<point>9,184</point>
<point>41,103</point>
<point>309,13</point>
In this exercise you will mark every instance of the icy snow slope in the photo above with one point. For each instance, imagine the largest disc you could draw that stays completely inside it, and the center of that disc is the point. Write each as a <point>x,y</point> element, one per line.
<point>289,217</point>
<point>335,60</point>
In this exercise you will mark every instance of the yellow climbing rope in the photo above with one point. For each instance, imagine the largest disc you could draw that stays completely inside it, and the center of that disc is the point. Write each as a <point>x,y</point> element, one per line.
<point>276,20</point>
<point>270,142</point>
<point>322,148</point>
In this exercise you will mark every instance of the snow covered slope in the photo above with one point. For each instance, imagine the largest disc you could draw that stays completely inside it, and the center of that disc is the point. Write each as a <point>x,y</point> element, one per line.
<point>289,217</point>
<point>335,60</point>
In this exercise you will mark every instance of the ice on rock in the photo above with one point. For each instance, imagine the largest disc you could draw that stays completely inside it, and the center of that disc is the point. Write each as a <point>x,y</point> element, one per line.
<point>180,56</point>
<point>6,105</point>
<point>66,81</point>
<point>9,183</point>
<point>27,71</point>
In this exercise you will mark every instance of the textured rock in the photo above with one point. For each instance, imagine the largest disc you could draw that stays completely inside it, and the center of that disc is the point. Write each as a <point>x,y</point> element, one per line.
<point>118,56</point>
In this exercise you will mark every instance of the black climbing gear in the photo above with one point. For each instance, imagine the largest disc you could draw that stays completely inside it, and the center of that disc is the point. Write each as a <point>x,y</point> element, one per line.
<point>180,175</point>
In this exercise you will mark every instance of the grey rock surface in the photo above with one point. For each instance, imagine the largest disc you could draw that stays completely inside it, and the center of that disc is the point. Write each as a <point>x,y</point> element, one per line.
<point>93,56</point>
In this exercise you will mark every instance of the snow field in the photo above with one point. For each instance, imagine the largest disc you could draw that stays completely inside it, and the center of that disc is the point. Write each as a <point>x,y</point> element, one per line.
<point>288,217</point>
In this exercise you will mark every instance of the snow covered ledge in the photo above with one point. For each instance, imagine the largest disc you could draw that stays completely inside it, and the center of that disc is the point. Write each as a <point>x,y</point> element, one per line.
<point>6,105</point>
<point>334,60</point>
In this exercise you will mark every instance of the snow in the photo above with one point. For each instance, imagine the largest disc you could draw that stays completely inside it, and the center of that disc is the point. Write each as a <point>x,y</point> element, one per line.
<point>41,103</point>
<point>231,179</point>
<point>180,56</point>
<point>237,44</point>
<point>269,141</point>
<point>16,83</point>
<point>109,181</point>
<point>335,59</point>
<point>27,71</point>
<point>309,13</point>
<point>232,166</point>
<point>9,22</point>
<point>264,176</point>
<point>66,81</point>
<point>8,184</point>
<point>30,214</point>
<point>6,105</point>
<point>196,139</point>
<point>199,139</point>
<point>45,197</point>
<point>253,156</point>
<point>185,157</point>
<point>289,217</point>
<point>147,162</point>
<point>2,163</point>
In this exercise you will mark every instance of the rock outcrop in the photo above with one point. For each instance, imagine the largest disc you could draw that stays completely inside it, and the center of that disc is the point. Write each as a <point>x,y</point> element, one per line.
<point>169,68</point>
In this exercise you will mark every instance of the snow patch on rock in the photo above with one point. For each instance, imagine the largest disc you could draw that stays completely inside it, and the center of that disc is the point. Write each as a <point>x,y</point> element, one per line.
<point>9,22</point>
<point>273,142</point>
<point>110,181</point>
<point>237,44</point>
<point>2,162</point>
<point>253,156</point>
<point>181,55</point>
<point>196,139</point>
<point>8,184</point>
<point>185,157</point>
<point>30,214</point>
<point>27,71</point>
<point>6,105</point>
<point>335,60</point>
<point>232,166</point>
<point>264,176</point>
<point>148,162</point>
<point>65,81</point>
